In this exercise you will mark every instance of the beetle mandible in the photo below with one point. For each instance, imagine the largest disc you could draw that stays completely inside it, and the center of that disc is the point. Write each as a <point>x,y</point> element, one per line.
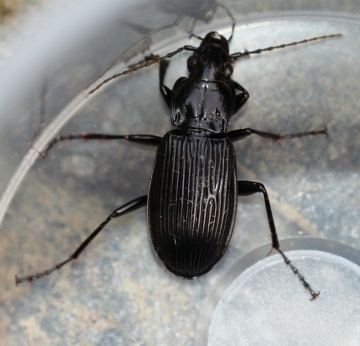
<point>192,198</point>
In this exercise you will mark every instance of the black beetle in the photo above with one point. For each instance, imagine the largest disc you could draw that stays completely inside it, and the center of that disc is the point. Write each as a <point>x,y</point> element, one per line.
<point>193,189</point>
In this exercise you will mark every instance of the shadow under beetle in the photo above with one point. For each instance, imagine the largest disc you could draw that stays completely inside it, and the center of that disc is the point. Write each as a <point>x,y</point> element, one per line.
<point>192,198</point>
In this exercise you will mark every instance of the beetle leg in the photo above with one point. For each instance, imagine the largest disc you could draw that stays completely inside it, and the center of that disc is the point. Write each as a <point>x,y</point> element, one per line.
<point>165,91</point>
<point>124,209</point>
<point>143,139</point>
<point>239,134</point>
<point>242,97</point>
<point>246,188</point>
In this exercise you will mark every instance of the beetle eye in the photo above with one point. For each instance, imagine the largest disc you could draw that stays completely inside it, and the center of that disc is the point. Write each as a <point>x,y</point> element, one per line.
<point>191,62</point>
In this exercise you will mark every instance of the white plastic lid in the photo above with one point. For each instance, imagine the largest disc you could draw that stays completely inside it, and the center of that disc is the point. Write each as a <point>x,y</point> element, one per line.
<point>266,304</point>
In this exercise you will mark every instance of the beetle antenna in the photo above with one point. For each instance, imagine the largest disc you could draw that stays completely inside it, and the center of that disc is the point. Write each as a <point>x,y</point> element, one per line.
<point>143,64</point>
<point>232,19</point>
<point>141,39</point>
<point>258,51</point>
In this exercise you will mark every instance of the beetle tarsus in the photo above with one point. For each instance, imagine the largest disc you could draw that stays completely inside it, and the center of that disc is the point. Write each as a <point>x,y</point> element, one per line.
<point>298,274</point>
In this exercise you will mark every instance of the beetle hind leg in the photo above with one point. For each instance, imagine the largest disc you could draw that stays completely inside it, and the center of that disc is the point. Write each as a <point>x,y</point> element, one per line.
<point>124,209</point>
<point>246,188</point>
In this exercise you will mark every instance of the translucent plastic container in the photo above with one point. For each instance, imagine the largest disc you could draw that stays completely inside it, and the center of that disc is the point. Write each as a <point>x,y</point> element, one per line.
<point>118,293</point>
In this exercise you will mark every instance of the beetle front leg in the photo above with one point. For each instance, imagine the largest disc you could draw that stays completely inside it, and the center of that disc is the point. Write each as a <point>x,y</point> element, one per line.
<point>241,97</point>
<point>124,209</point>
<point>165,91</point>
<point>246,188</point>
